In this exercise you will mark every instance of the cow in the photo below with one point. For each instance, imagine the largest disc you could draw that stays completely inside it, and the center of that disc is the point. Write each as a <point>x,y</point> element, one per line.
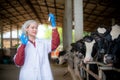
<point>105,48</point>
<point>103,45</point>
<point>62,57</point>
<point>102,38</point>
<point>113,53</point>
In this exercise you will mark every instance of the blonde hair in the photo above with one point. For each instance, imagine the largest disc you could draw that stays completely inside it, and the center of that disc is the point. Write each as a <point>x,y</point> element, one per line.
<point>26,24</point>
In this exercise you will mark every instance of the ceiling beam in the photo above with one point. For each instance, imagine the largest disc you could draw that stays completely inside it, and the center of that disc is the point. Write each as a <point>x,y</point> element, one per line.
<point>14,8</point>
<point>86,4</point>
<point>91,12</point>
<point>7,18</point>
<point>24,8</point>
<point>47,6</point>
<point>41,11</point>
<point>55,9</point>
<point>9,13</point>
<point>33,9</point>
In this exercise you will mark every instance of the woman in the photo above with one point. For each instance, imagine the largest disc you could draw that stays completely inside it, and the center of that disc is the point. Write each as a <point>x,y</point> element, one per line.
<point>32,54</point>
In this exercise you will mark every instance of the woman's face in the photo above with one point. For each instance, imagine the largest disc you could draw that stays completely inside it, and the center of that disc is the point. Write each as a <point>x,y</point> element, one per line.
<point>32,29</point>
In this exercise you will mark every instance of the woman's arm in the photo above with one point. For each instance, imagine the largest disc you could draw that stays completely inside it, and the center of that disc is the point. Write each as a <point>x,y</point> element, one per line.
<point>55,38</point>
<point>55,34</point>
<point>19,57</point>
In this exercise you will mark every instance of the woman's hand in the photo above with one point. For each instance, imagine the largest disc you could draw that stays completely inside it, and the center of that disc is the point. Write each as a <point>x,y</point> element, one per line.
<point>52,20</point>
<point>23,38</point>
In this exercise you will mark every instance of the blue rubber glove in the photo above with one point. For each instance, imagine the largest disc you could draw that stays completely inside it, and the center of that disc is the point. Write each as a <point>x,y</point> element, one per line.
<point>23,38</point>
<point>52,19</point>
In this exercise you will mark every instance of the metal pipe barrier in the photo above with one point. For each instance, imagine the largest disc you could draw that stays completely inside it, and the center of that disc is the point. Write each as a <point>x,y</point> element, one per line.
<point>101,68</point>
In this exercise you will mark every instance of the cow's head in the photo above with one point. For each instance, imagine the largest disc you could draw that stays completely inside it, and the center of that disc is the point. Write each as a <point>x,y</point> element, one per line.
<point>101,43</point>
<point>62,58</point>
<point>89,43</point>
<point>78,46</point>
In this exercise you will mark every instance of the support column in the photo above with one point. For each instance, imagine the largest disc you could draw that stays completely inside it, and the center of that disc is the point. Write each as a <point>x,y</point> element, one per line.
<point>17,34</point>
<point>1,36</point>
<point>78,19</point>
<point>10,35</point>
<point>67,25</point>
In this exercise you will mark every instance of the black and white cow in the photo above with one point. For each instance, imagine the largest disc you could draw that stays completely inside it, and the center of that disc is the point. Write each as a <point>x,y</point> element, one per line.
<point>102,37</point>
<point>78,48</point>
<point>103,45</point>
<point>99,46</point>
<point>113,53</point>
<point>108,44</point>
<point>62,58</point>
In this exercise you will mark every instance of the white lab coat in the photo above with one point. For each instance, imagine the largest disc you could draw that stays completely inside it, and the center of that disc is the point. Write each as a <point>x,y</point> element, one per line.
<point>36,64</point>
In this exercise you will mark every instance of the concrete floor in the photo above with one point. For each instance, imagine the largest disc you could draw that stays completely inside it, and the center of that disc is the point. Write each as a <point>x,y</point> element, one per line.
<point>11,72</point>
<point>8,72</point>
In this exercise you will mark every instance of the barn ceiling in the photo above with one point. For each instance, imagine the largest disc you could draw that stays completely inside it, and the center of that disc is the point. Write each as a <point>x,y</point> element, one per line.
<point>13,13</point>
